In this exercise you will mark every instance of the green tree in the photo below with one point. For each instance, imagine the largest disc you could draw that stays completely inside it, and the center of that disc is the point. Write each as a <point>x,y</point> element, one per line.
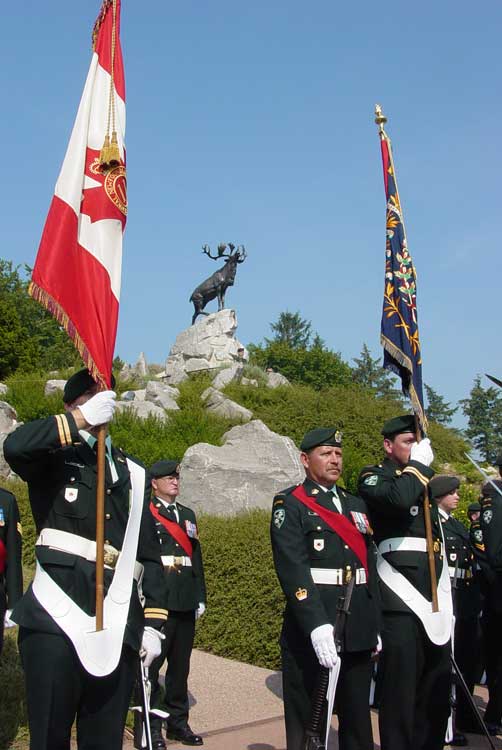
<point>30,338</point>
<point>369,373</point>
<point>292,330</point>
<point>438,410</point>
<point>484,411</point>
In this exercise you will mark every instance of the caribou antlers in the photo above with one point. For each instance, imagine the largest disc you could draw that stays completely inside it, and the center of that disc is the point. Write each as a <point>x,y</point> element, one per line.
<point>240,254</point>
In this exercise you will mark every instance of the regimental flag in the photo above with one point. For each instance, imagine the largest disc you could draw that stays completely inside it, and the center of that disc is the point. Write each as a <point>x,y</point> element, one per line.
<point>78,267</point>
<point>399,332</point>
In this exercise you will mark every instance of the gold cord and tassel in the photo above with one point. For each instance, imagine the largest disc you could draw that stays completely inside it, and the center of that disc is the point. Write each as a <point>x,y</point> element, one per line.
<point>109,156</point>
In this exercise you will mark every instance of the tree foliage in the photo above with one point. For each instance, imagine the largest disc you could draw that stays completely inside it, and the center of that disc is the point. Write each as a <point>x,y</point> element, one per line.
<point>30,338</point>
<point>484,411</point>
<point>438,410</point>
<point>291,329</point>
<point>369,373</point>
<point>316,366</point>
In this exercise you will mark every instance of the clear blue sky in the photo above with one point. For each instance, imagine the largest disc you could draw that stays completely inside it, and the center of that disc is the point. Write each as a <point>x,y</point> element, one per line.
<point>253,123</point>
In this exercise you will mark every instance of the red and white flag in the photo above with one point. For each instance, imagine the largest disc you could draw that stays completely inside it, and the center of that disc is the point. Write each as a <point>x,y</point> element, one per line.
<point>78,267</point>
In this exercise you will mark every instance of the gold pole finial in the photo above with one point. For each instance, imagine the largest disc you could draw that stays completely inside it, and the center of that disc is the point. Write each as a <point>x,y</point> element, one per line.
<point>380,118</point>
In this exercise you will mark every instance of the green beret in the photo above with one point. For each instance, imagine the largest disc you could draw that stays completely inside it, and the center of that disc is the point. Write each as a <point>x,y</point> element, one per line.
<point>398,425</point>
<point>321,436</point>
<point>164,469</point>
<point>488,490</point>
<point>474,508</point>
<point>78,384</point>
<point>443,484</point>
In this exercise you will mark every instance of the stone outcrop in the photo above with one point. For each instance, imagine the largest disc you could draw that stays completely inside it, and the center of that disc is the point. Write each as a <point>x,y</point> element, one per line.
<point>226,376</point>
<point>162,395</point>
<point>206,345</point>
<point>251,466</point>
<point>53,386</point>
<point>8,423</point>
<point>154,400</point>
<point>275,379</point>
<point>216,403</point>
<point>143,409</point>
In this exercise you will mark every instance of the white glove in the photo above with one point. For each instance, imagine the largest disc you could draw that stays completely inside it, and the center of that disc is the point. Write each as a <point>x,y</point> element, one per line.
<point>99,409</point>
<point>422,452</point>
<point>200,610</point>
<point>324,646</point>
<point>8,623</point>
<point>151,645</point>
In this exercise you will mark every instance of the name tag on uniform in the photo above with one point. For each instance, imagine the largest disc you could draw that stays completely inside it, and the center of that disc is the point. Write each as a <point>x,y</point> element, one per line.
<point>191,529</point>
<point>70,494</point>
<point>361,522</point>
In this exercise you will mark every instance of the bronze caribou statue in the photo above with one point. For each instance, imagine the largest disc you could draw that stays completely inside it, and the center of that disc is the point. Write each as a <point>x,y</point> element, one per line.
<point>217,284</point>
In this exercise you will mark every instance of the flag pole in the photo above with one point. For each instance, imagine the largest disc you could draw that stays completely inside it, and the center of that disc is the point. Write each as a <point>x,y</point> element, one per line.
<point>100,526</point>
<point>405,364</point>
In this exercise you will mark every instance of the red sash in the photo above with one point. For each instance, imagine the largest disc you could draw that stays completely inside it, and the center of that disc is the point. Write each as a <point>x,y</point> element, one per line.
<point>175,530</point>
<point>3,556</point>
<point>339,523</point>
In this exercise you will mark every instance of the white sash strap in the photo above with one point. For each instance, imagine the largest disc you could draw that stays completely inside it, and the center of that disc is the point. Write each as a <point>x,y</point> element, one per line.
<point>99,652</point>
<point>437,624</point>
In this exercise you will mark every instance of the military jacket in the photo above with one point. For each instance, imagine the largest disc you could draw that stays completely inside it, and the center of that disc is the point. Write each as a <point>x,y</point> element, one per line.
<point>301,540</point>
<point>186,587</point>
<point>394,496</point>
<point>61,471</point>
<point>461,563</point>
<point>11,578</point>
<point>490,527</point>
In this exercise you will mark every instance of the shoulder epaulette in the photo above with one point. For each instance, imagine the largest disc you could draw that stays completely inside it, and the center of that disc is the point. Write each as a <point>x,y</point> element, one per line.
<point>281,496</point>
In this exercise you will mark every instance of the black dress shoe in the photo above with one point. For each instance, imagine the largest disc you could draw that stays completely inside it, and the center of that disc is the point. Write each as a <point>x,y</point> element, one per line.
<point>458,740</point>
<point>184,735</point>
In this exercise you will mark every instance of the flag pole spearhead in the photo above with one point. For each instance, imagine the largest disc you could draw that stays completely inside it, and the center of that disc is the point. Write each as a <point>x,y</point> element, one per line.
<point>380,118</point>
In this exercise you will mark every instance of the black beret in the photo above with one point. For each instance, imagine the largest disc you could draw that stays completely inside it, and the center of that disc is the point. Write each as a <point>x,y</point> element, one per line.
<point>488,490</point>
<point>164,469</point>
<point>474,508</point>
<point>78,384</point>
<point>443,484</point>
<point>498,460</point>
<point>398,425</point>
<point>321,436</point>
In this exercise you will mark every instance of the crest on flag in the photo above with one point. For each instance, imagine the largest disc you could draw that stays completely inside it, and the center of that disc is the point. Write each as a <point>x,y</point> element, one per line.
<point>399,331</point>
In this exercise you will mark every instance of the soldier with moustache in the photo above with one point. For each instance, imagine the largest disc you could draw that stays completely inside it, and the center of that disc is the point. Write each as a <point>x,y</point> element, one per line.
<point>415,667</point>
<point>181,556</point>
<point>320,538</point>
<point>71,671</point>
<point>11,570</point>
<point>466,598</point>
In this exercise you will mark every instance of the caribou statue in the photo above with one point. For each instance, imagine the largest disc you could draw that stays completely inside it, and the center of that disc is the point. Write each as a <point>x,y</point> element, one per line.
<point>217,284</point>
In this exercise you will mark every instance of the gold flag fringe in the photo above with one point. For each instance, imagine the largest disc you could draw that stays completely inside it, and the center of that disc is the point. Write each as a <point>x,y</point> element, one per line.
<point>405,362</point>
<point>99,20</point>
<point>57,312</point>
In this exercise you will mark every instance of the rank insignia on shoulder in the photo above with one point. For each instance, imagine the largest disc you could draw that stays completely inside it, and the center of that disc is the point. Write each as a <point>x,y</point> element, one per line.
<point>414,510</point>
<point>301,594</point>
<point>278,501</point>
<point>371,480</point>
<point>279,517</point>
<point>487,516</point>
<point>361,522</point>
<point>315,491</point>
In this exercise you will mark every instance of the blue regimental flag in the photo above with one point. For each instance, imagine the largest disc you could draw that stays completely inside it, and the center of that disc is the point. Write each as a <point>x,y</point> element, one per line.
<point>399,334</point>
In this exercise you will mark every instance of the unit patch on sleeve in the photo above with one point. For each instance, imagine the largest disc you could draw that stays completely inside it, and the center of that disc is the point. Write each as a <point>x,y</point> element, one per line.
<point>487,516</point>
<point>279,516</point>
<point>371,480</point>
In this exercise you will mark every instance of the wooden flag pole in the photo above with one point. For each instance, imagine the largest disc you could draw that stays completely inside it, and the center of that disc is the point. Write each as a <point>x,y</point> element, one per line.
<point>100,526</point>
<point>428,536</point>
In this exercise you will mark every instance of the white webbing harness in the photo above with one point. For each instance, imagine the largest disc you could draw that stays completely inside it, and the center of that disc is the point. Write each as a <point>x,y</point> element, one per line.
<point>99,651</point>
<point>437,624</point>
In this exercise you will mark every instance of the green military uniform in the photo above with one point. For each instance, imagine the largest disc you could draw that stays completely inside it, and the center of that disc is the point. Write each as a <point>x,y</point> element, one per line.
<point>60,468</point>
<point>11,570</point>
<point>414,673</point>
<point>305,550</point>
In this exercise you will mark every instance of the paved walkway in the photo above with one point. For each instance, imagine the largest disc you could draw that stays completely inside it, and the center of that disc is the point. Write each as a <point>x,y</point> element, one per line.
<point>235,706</point>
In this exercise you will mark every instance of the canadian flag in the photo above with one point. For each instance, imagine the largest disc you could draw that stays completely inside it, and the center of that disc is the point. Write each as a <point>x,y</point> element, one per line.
<point>78,266</point>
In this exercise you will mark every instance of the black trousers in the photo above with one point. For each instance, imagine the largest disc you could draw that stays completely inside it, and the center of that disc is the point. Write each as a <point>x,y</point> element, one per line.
<point>467,655</point>
<point>176,649</point>
<point>58,690</point>
<point>415,680</point>
<point>300,673</point>
<point>492,628</point>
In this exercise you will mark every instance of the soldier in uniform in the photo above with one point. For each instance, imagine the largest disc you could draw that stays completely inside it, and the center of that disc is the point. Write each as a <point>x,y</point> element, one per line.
<point>415,668</point>
<point>491,530</point>
<point>181,556</point>
<point>11,570</point>
<point>71,670</point>
<point>466,598</point>
<point>320,537</point>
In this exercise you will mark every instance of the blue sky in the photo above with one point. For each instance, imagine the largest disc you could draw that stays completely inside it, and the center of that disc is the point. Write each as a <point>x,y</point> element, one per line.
<point>253,123</point>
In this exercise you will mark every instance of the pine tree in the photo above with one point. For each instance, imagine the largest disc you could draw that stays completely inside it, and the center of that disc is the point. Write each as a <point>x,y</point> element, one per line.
<point>484,410</point>
<point>370,374</point>
<point>438,410</point>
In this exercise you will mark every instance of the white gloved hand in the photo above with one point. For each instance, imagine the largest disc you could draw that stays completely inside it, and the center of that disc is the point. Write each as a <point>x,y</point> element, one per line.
<point>99,409</point>
<point>422,452</point>
<point>8,623</point>
<point>324,646</point>
<point>200,610</point>
<point>151,645</point>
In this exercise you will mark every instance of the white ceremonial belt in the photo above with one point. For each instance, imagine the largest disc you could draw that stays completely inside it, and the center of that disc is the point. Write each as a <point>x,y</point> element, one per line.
<point>172,561</point>
<point>403,544</point>
<point>64,541</point>
<point>335,576</point>
<point>459,573</point>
